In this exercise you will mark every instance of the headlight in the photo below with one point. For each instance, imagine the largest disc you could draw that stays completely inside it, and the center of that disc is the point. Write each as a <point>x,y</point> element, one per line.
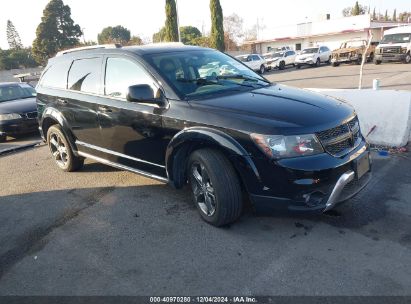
<point>278,146</point>
<point>353,54</point>
<point>404,50</point>
<point>10,116</point>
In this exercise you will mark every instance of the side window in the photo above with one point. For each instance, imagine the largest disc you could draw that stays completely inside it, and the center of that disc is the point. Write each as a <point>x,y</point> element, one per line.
<point>84,75</point>
<point>122,73</point>
<point>56,75</point>
<point>291,53</point>
<point>256,58</point>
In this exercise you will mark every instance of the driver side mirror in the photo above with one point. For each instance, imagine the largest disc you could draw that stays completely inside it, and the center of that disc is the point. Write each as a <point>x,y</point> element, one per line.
<point>143,93</point>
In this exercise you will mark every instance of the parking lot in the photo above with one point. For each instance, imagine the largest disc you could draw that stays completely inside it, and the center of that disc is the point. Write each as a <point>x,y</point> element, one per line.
<point>102,231</point>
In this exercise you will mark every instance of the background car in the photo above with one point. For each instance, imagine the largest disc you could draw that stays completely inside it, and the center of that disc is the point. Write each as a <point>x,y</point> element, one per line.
<point>352,51</point>
<point>18,110</point>
<point>313,56</point>
<point>211,69</point>
<point>254,61</point>
<point>395,46</point>
<point>281,60</point>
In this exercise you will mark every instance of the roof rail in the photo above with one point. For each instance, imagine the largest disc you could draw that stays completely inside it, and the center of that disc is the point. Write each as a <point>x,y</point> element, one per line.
<point>91,47</point>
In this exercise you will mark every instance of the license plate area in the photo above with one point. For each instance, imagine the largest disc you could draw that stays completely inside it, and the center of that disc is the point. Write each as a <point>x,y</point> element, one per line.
<point>362,165</point>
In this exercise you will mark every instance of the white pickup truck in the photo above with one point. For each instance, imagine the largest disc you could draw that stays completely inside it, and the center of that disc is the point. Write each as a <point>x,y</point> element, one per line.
<point>395,46</point>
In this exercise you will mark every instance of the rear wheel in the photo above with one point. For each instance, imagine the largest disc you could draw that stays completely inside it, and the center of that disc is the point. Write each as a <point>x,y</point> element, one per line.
<point>335,64</point>
<point>408,58</point>
<point>281,66</point>
<point>3,138</point>
<point>61,151</point>
<point>377,62</point>
<point>215,187</point>
<point>359,60</point>
<point>298,66</point>
<point>371,58</point>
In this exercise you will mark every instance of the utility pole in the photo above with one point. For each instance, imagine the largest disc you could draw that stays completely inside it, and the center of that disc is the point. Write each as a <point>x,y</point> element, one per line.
<point>178,22</point>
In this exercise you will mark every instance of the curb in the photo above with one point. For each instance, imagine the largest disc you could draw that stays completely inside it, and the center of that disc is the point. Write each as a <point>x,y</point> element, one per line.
<point>19,148</point>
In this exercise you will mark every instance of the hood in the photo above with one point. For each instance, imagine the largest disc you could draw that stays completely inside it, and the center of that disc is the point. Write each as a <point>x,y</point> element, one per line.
<point>346,50</point>
<point>25,105</point>
<point>305,56</point>
<point>277,108</point>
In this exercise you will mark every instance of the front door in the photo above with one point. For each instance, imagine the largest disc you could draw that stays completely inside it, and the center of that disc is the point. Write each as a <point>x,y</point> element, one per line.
<point>132,133</point>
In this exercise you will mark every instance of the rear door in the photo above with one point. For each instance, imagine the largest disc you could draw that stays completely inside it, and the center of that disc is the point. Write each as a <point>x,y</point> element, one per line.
<point>80,105</point>
<point>132,132</point>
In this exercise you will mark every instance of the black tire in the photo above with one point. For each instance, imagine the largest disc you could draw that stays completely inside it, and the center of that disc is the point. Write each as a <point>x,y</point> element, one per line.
<point>61,150</point>
<point>335,64</point>
<point>377,62</point>
<point>359,60</point>
<point>371,58</point>
<point>407,59</point>
<point>298,66</point>
<point>3,138</point>
<point>217,174</point>
<point>281,66</point>
<point>317,63</point>
<point>328,61</point>
<point>262,69</point>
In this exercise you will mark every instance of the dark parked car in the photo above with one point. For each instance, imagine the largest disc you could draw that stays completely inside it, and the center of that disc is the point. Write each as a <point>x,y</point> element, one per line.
<point>18,110</point>
<point>146,109</point>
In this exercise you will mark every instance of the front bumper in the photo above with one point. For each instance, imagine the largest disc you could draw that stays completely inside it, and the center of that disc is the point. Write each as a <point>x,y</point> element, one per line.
<point>18,127</point>
<point>308,61</point>
<point>390,57</point>
<point>302,188</point>
<point>344,59</point>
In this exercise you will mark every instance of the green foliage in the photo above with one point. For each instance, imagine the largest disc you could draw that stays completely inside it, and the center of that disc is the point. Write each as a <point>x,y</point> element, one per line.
<point>116,34</point>
<point>394,16</point>
<point>160,36</point>
<point>135,40</point>
<point>171,27</point>
<point>13,37</point>
<point>17,58</point>
<point>356,9</point>
<point>217,25</point>
<point>202,41</point>
<point>56,31</point>
<point>189,34</point>
<point>405,16</point>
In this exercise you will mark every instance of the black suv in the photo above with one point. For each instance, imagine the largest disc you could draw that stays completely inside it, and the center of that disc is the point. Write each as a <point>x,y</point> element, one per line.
<point>183,114</point>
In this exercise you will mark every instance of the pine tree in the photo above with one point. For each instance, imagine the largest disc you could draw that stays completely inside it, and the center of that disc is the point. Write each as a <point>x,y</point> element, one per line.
<point>386,16</point>
<point>57,31</point>
<point>374,15</point>
<point>394,16</point>
<point>356,9</point>
<point>217,25</point>
<point>13,37</point>
<point>171,27</point>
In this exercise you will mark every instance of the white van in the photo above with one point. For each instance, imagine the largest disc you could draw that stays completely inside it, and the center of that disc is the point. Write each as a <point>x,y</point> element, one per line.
<point>395,46</point>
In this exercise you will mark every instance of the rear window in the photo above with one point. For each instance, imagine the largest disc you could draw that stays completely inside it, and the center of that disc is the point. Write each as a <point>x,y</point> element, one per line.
<point>84,75</point>
<point>56,75</point>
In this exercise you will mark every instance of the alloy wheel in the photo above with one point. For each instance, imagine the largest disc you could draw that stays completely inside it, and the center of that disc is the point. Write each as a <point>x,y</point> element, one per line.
<point>203,190</point>
<point>58,150</point>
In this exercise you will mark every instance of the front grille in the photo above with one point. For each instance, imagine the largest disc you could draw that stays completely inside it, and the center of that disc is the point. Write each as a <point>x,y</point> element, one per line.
<point>391,50</point>
<point>345,55</point>
<point>341,140</point>
<point>30,115</point>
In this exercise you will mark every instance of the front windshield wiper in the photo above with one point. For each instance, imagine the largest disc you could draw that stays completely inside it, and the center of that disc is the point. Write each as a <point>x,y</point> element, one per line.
<point>245,77</point>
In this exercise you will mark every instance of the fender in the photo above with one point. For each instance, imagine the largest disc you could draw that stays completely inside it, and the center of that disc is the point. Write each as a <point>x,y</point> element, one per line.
<point>54,114</point>
<point>211,137</point>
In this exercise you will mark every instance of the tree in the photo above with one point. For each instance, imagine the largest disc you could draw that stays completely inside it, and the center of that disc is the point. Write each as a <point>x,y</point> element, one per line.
<point>116,34</point>
<point>13,37</point>
<point>135,40</point>
<point>171,26</point>
<point>233,30</point>
<point>17,58</point>
<point>356,9</point>
<point>202,41</point>
<point>189,34</point>
<point>405,16</point>
<point>160,36</point>
<point>217,27</point>
<point>386,18</point>
<point>374,15</point>
<point>57,31</point>
<point>394,16</point>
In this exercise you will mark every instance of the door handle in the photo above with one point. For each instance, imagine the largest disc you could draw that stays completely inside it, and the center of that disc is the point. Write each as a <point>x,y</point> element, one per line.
<point>61,101</point>
<point>104,109</point>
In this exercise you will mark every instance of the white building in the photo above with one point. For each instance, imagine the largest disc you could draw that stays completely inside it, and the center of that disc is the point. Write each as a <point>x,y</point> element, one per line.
<point>329,32</point>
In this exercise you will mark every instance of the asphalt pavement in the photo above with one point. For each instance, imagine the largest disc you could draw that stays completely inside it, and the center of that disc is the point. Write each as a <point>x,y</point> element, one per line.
<point>101,231</point>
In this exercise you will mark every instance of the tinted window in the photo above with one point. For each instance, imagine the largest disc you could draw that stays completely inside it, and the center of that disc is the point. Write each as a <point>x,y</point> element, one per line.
<point>84,75</point>
<point>56,75</point>
<point>122,73</point>
<point>256,58</point>
<point>12,92</point>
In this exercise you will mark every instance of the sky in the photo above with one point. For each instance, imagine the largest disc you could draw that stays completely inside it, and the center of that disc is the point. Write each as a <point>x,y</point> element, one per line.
<point>143,18</point>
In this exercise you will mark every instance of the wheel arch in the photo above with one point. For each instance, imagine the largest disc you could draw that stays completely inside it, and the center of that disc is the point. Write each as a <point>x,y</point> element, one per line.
<point>52,116</point>
<point>191,139</point>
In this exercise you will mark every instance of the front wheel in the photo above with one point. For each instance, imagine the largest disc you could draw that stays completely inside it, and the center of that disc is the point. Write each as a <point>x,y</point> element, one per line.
<point>61,151</point>
<point>262,69</point>
<point>335,64</point>
<point>408,58</point>
<point>298,66</point>
<point>3,138</point>
<point>377,62</point>
<point>317,63</point>
<point>281,66</point>
<point>215,187</point>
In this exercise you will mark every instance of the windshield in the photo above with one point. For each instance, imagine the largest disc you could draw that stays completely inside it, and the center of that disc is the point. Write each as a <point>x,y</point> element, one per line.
<point>202,72</point>
<point>277,55</point>
<point>242,58</point>
<point>310,51</point>
<point>13,91</point>
<point>396,38</point>
<point>353,44</point>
